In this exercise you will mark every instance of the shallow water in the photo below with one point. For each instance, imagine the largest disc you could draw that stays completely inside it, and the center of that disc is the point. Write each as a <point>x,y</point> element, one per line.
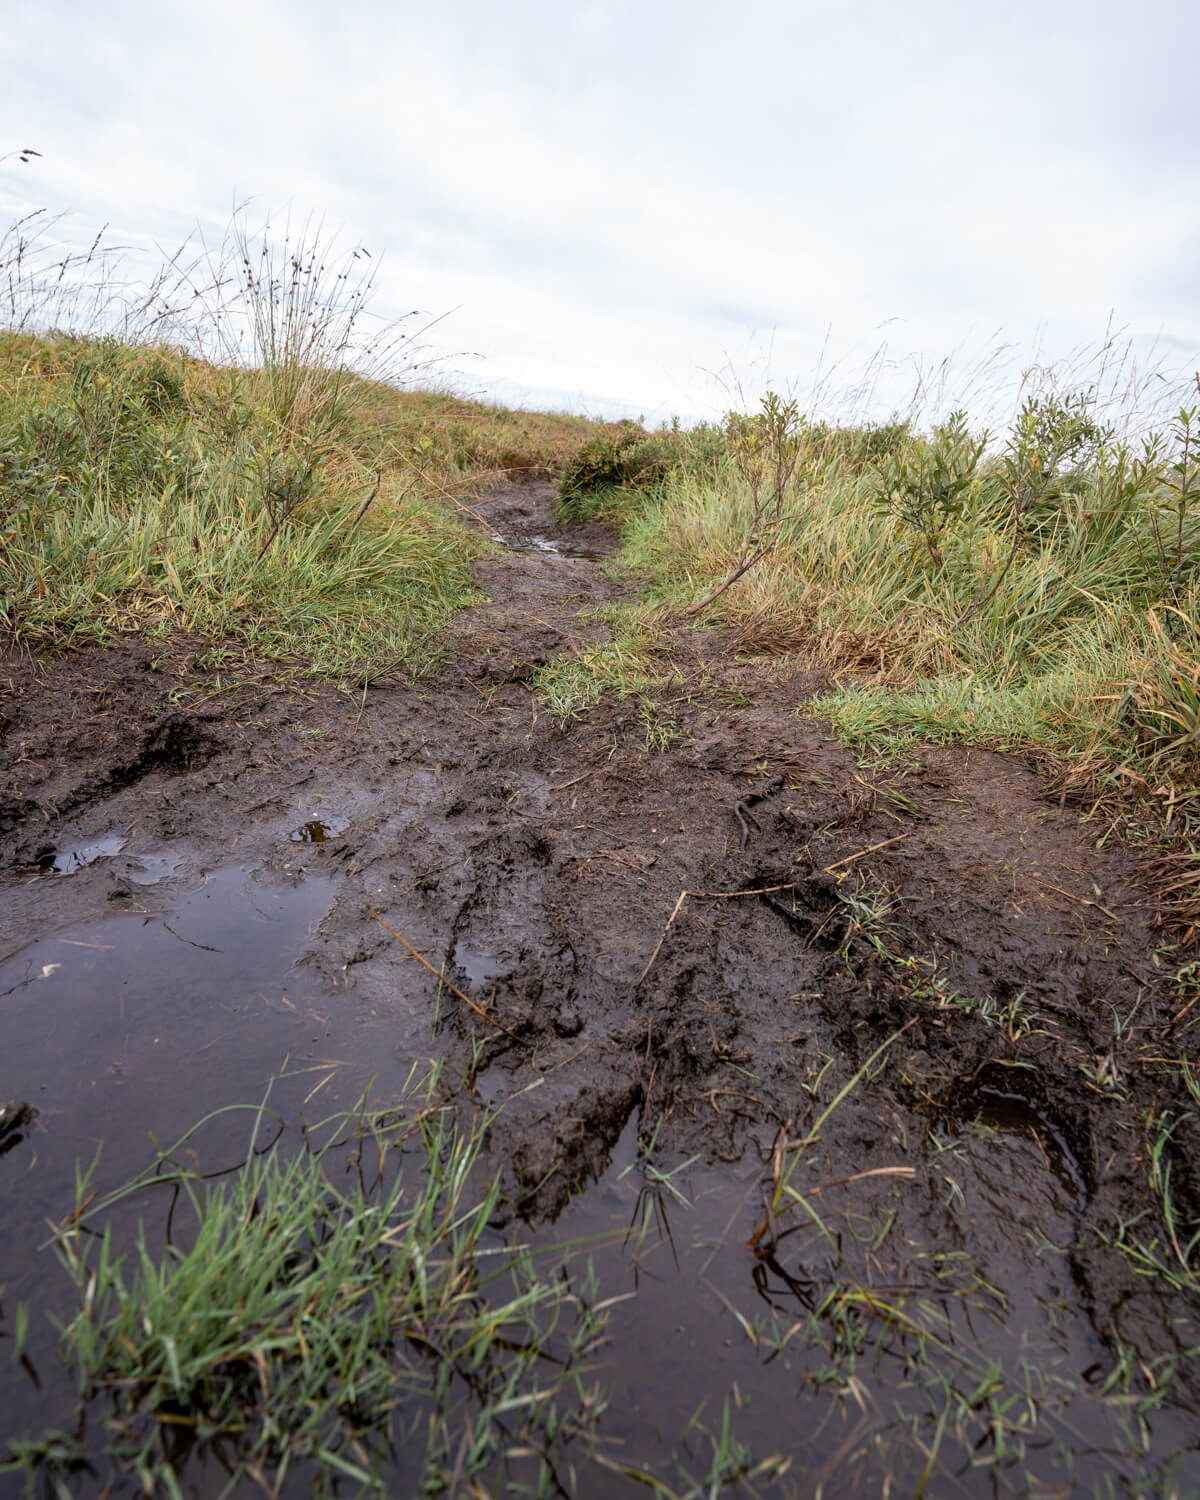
<point>857,1350</point>
<point>132,1025</point>
<point>919,1327</point>
<point>562,546</point>
<point>78,856</point>
<point>319,830</point>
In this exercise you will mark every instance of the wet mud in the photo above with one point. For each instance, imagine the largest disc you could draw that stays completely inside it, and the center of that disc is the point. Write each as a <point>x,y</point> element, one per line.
<point>706,939</point>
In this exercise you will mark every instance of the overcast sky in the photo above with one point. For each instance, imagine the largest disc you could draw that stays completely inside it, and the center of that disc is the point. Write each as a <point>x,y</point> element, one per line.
<point>636,208</point>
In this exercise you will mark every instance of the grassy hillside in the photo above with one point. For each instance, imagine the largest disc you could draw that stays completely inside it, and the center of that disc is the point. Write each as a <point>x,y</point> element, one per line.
<point>142,489</point>
<point>289,491</point>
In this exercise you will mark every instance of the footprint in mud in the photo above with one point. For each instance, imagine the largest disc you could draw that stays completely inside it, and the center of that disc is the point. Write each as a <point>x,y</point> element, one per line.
<point>503,945</point>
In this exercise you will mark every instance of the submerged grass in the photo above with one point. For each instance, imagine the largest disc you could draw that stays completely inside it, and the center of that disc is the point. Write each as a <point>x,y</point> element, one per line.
<point>341,1318</point>
<point>900,1328</point>
<point>315,1309</point>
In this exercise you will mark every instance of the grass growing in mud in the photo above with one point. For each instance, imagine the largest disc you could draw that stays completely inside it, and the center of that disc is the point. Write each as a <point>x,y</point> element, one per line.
<point>634,663</point>
<point>339,1318</point>
<point>314,1310</point>
<point>1036,588</point>
<point>140,497</point>
<point>1043,590</point>
<point>284,493</point>
<point>895,1312</point>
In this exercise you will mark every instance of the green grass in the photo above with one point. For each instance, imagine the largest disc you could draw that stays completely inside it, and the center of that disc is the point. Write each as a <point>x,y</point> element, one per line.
<point>1036,594</point>
<point>92,553</point>
<point>317,1306</point>
<point>339,1316</point>
<point>144,491</point>
<point>291,493</point>
<point>633,664</point>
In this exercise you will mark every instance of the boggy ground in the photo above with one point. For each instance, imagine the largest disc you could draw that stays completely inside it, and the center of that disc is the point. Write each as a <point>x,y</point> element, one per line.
<point>950,903</point>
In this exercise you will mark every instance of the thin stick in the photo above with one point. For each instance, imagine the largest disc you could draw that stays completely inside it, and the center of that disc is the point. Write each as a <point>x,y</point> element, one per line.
<point>366,505</point>
<point>1083,901</point>
<point>683,895</point>
<point>646,1097</point>
<point>563,785</point>
<point>862,853</point>
<point>858,1177</point>
<point>454,990</point>
<point>1179,1015</point>
<point>766,890</point>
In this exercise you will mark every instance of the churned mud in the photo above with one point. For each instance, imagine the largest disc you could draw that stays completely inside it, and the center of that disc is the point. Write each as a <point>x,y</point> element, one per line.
<point>699,925</point>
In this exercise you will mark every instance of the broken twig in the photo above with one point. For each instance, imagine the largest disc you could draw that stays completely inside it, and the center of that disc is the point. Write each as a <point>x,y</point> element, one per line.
<point>862,853</point>
<point>767,890</point>
<point>453,988</point>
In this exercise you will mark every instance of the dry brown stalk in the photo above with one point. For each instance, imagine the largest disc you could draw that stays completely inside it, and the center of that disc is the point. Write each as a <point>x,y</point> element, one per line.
<point>766,890</point>
<point>454,990</point>
<point>862,853</point>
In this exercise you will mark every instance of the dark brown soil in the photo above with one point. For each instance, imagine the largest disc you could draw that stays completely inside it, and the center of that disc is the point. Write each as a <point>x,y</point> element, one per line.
<point>540,866</point>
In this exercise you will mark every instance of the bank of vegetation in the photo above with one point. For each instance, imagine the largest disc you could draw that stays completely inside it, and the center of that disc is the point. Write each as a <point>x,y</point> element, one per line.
<point>235,449</point>
<point>1035,589</point>
<point>246,467</point>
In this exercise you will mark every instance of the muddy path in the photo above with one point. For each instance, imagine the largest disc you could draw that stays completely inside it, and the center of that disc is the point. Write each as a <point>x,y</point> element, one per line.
<point>694,925</point>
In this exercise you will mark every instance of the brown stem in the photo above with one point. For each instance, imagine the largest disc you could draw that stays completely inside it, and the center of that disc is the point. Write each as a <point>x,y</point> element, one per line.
<point>366,505</point>
<point>745,563</point>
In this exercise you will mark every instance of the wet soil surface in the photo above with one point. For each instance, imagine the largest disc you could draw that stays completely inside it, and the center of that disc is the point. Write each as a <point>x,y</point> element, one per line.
<point>700,935</point>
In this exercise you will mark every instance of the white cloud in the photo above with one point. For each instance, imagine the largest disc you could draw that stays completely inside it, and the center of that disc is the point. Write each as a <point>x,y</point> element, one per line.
<point>619,198</point>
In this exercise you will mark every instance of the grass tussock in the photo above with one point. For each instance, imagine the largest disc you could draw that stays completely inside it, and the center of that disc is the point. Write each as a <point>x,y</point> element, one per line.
<point>340,1317</point>
<point>314,1309</point>
<point>236,454</point>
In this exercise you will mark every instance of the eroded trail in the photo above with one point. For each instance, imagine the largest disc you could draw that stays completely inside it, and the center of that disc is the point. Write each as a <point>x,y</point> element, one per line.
<point>689,921</point>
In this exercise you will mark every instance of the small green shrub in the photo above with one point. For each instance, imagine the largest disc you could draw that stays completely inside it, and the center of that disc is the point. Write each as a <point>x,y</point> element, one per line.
<point>629,458</point>
<point>925,484</point>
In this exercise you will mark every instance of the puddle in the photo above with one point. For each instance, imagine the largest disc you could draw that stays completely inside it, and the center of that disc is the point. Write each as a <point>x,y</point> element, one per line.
<point>67,860</point>
<point>477,965</point>
<point>319,830</point>
<point>934,1313</point>
<point>131,1027</point>
<point>1009,1114</point>
<point>140,869</point>
<point>897,1321</point>
<point>560,546</point>
<point>149,869</point>
<point>130,991</point>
